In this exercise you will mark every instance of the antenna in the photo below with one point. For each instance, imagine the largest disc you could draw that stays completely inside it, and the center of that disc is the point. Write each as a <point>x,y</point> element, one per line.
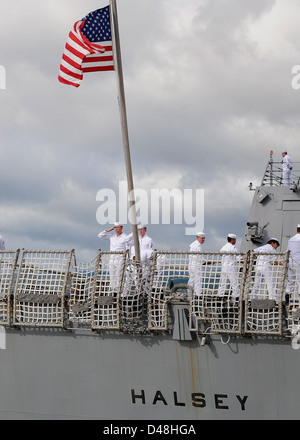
<point>271,168</point>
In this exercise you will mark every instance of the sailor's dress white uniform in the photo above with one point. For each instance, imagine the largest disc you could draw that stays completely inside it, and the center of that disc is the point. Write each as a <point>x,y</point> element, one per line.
<point>229,272</point>
<point>294,265</point>
<point>145,243</point>
<point>117,243</point>
<point>287,164</point>
<point>264,272</point>
<point>146,252</point>
<point>196,268</point>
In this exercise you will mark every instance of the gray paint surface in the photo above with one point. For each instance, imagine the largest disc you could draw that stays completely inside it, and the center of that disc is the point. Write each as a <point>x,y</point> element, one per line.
<point>51,374</point>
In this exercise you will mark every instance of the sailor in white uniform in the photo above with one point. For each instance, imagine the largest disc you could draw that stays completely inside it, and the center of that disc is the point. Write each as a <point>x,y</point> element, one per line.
<point>196,264</point>
<point>287,166</point>
<point>229,272</point>
<point>146,252</point>
<point>118,242</point>
<point>145,241</point>
<point>264,272</point>
<point>145,267</point>
<point>294,264</point>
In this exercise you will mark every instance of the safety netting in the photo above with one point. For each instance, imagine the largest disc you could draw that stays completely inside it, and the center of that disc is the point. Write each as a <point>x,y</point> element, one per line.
<point>8,263</point>
<point>211,282</point>
<point>222,292</point>
<point>96,288</point>
<point>39,296</point>
<point>293,297</point>
<point>110,292</point>
<point>264,292</point>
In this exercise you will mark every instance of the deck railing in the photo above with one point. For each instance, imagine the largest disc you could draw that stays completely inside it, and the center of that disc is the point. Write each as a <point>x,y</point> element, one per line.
<point>273,174</point>
<point>219,292</point>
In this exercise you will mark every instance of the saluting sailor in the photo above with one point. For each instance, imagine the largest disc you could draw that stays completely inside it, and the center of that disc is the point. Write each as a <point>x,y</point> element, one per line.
<point>118,242</point>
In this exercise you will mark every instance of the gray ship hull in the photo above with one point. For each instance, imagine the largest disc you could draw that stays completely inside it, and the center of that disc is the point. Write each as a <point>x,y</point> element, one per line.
<point>53,375</point>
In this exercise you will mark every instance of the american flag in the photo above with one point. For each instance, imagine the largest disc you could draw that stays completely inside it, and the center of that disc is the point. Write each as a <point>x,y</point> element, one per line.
<point>88,48</point>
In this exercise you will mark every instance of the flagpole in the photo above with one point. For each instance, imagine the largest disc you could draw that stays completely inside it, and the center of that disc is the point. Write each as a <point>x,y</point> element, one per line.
<point>122,107</point>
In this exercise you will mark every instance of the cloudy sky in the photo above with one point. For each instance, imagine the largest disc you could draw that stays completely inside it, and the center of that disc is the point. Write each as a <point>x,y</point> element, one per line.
<point>209,93</point>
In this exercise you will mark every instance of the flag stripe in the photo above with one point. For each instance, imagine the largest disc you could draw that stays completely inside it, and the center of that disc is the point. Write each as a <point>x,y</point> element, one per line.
<point>88,48</point>
<point>67,60</point>
<point>67,71</point>
<point>94,60</point>
<point>76,42</point>
<point>98,62</point>
<point>65,79</point>
<point>74,51</point>
<point>103,68</point>
<point>74,59</point>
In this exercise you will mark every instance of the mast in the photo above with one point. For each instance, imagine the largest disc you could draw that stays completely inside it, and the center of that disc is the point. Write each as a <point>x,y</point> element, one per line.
<point>271,168</point>
<point>122,107</point>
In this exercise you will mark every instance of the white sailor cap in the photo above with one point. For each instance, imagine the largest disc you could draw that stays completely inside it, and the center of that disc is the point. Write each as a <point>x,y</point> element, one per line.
<point>231,235</point>
<point>201,234</point>
<point>141,226</point>
<point>117,224</point>
<point>274,239</point>
<point>298,226</point>
<point>284,152</point>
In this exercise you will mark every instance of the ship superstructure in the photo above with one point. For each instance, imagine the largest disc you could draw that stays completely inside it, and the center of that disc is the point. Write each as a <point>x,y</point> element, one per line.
<point>275,210</point>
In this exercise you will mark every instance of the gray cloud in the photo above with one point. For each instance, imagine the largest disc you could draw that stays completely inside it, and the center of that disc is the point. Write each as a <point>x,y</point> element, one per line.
<point>208,94</point>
